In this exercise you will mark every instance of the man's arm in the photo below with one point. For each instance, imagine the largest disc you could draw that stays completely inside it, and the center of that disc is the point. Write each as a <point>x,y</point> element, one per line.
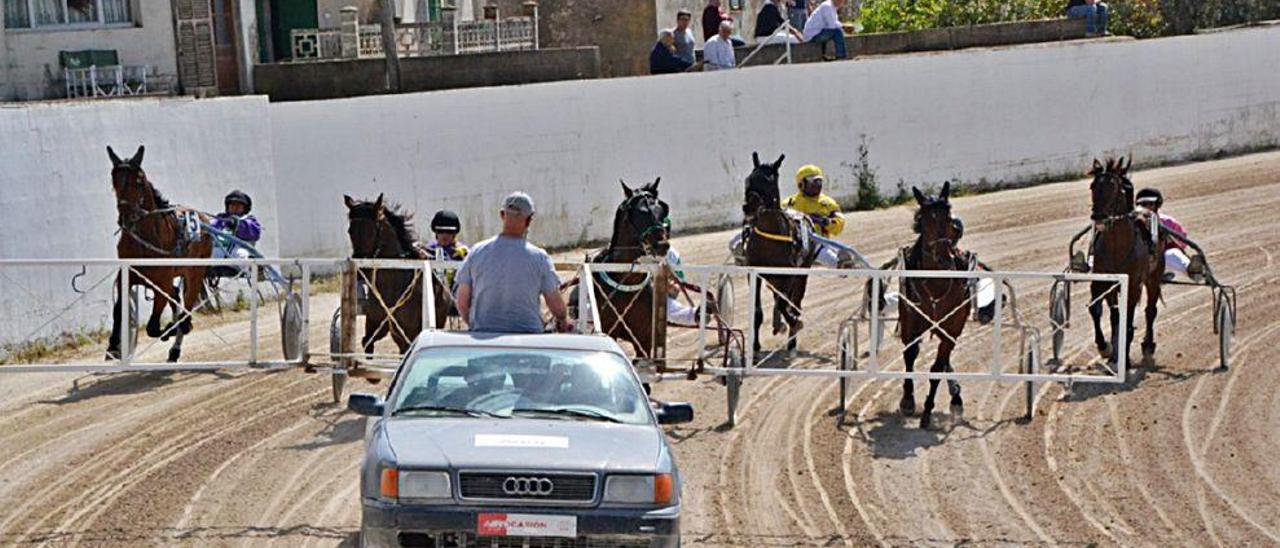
<point>463,302</point>
<point>555,303</point>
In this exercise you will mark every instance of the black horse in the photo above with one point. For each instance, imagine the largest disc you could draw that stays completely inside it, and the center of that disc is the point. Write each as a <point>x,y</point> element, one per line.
<point>774,237</point>
<point>626,300</point>
<point>380,231</point>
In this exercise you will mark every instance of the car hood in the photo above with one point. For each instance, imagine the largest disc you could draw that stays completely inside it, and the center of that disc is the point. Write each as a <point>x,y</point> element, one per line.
<point>419,442</point>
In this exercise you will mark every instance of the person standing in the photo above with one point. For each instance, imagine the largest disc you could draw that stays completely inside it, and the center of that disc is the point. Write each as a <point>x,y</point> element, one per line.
<point>683,37</point>
<point>712,16</point>
<point>798,12</point>
<point>502,279</point>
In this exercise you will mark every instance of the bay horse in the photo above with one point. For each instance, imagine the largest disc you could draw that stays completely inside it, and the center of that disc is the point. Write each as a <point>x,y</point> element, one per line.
<point>934,306</point>
<point>626,299</point>
<point>152,228</point>
<point>1121,245</point>
<point>385,231</point>
<point>774,237</point>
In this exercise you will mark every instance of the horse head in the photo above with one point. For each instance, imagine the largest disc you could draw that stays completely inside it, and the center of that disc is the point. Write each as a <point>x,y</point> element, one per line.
<point>762,186</point>
<point>642,220</point>
<point>133,191</point>
<point>934,224</point>
<point>366,226</point>
<point>1111,190</point>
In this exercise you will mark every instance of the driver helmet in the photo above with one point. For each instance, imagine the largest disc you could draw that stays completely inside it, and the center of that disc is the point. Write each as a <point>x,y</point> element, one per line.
<point>1150,197</point>
<point>810,177</point>
<point>446,221</point>
<point>239,197</point>
<point>958,225</point>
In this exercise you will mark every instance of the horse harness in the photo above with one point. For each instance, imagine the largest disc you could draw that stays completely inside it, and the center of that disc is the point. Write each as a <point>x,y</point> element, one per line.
<point>961,260</point>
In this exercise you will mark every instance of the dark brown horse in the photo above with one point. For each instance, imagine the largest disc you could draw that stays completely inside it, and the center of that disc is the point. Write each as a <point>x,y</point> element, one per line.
<point>381,231</point>
<point>152,228</point>
<point>626,300</point>
<point>775,238</point>
<point>930,301</point>
<point>1121,245</point>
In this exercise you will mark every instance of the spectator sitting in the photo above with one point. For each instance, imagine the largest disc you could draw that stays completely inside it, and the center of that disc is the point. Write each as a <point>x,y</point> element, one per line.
<point>798,12</point>
<point>824,26</point>
<point>718,52</point>
<point>770,28</point>
<point>663,58</point>
<point>1094,13</point>
<point>684,37</point>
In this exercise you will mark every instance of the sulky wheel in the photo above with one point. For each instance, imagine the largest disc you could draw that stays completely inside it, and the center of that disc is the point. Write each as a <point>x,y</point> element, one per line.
<point>733,384</point>
<point>291,325</point>
<point>724,300</point>
<point>1225,325</point>
<point>1058,310</point>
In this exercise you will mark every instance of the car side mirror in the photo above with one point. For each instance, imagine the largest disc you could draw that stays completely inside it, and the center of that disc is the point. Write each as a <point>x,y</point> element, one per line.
<point>675,413</point>
<point>368,405</point>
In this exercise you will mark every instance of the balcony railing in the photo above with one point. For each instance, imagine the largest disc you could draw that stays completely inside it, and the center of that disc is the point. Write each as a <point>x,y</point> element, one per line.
<point>416,39</point>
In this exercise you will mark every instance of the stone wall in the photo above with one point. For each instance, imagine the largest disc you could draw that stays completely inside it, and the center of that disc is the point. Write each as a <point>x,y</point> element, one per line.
<point>355,77</point>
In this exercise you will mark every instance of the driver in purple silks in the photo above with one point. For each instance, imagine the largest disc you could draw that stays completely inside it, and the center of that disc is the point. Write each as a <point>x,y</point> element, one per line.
<point>237,220</point>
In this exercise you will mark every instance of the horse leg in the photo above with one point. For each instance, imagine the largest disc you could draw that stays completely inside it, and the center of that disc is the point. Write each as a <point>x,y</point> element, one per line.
<point>1095,311</point>
<point>176,312</point>
<point>939,365</point>
<point>907,406</point>
<point>157,309</point>
<point>192,283</point>
<point>113,343</point>
<point>798,285</point>
<point>944,355</point>
<point>175,351</point>
<point>1149,340</point>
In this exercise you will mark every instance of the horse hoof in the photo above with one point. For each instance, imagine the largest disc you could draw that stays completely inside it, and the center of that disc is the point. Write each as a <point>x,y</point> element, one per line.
<point>1148,350</point>
<point>153,330</point>
<point>924,421</point>
<point>1105,350</point>
<point>113,354</point>
<point>957,409</point>
<point>174,353</point>
<point>907,406</point>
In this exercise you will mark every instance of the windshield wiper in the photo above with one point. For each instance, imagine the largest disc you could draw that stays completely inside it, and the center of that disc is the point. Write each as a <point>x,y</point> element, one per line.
<point>448,409</point>
<point>578,413</point>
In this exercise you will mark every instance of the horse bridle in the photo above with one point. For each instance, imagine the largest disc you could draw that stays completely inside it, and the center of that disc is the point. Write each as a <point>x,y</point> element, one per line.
<point>1117,199</point>
<point>137,212</point>
<point>946,258</point>
<point>379,219</point>
<point>643,231</point>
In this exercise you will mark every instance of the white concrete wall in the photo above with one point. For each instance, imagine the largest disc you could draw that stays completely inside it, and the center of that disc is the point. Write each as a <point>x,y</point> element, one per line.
<point>1008,114</point>
<point>31,55</point>
<point>57,193</point>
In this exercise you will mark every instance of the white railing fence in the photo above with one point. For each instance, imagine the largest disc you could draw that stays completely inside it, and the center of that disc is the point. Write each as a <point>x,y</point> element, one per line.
<point>352,41</point>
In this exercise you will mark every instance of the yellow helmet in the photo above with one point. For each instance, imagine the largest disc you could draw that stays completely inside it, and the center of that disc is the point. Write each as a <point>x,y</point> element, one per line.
<point>806,171</point>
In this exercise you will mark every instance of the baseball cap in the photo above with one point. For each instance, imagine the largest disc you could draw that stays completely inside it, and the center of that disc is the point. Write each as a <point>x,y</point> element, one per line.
<point>518,202</point>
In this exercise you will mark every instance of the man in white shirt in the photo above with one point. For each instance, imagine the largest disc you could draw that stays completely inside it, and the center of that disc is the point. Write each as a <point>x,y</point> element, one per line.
<point>824,26</point>
<point>717,54</point>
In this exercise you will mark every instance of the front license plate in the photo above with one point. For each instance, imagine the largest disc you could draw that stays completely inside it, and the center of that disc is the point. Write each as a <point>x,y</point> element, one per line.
<point>526,525</point>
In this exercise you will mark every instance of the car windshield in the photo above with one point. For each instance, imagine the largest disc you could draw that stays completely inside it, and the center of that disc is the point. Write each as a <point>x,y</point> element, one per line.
<point>521,383</point>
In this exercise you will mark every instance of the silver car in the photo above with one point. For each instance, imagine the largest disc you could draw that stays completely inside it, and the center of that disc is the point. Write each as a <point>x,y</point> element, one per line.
<point>518,440</point>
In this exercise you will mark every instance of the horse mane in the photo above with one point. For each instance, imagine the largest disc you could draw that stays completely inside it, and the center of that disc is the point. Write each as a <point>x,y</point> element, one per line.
<point>401,221</point>
<point>161,201</point>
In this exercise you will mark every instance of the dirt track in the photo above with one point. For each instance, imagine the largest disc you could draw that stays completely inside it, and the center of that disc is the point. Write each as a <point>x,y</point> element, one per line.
<point>1179,454</point>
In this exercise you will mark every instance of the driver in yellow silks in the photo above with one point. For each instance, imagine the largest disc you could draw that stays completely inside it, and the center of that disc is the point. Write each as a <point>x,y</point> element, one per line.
<point>826,217</point>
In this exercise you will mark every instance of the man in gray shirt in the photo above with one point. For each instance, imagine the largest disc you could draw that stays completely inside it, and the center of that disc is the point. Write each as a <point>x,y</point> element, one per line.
<point>684,37</point>
<point>501,279</point>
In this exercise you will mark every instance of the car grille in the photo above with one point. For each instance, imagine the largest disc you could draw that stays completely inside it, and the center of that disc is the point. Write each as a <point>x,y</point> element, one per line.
<point>565,487</point>
<point>468,540</point>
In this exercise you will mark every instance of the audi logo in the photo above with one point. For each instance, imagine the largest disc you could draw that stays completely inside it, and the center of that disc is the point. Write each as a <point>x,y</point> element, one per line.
<point>538,487</point>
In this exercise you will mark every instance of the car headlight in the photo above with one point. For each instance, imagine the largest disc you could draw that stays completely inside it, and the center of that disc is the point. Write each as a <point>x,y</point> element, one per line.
<point>424,485</point>
<point>648,489</point>
<point>415,485</point>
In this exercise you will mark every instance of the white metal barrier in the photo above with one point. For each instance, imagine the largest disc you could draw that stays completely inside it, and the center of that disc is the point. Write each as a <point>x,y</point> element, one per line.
<point>725,334</point>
